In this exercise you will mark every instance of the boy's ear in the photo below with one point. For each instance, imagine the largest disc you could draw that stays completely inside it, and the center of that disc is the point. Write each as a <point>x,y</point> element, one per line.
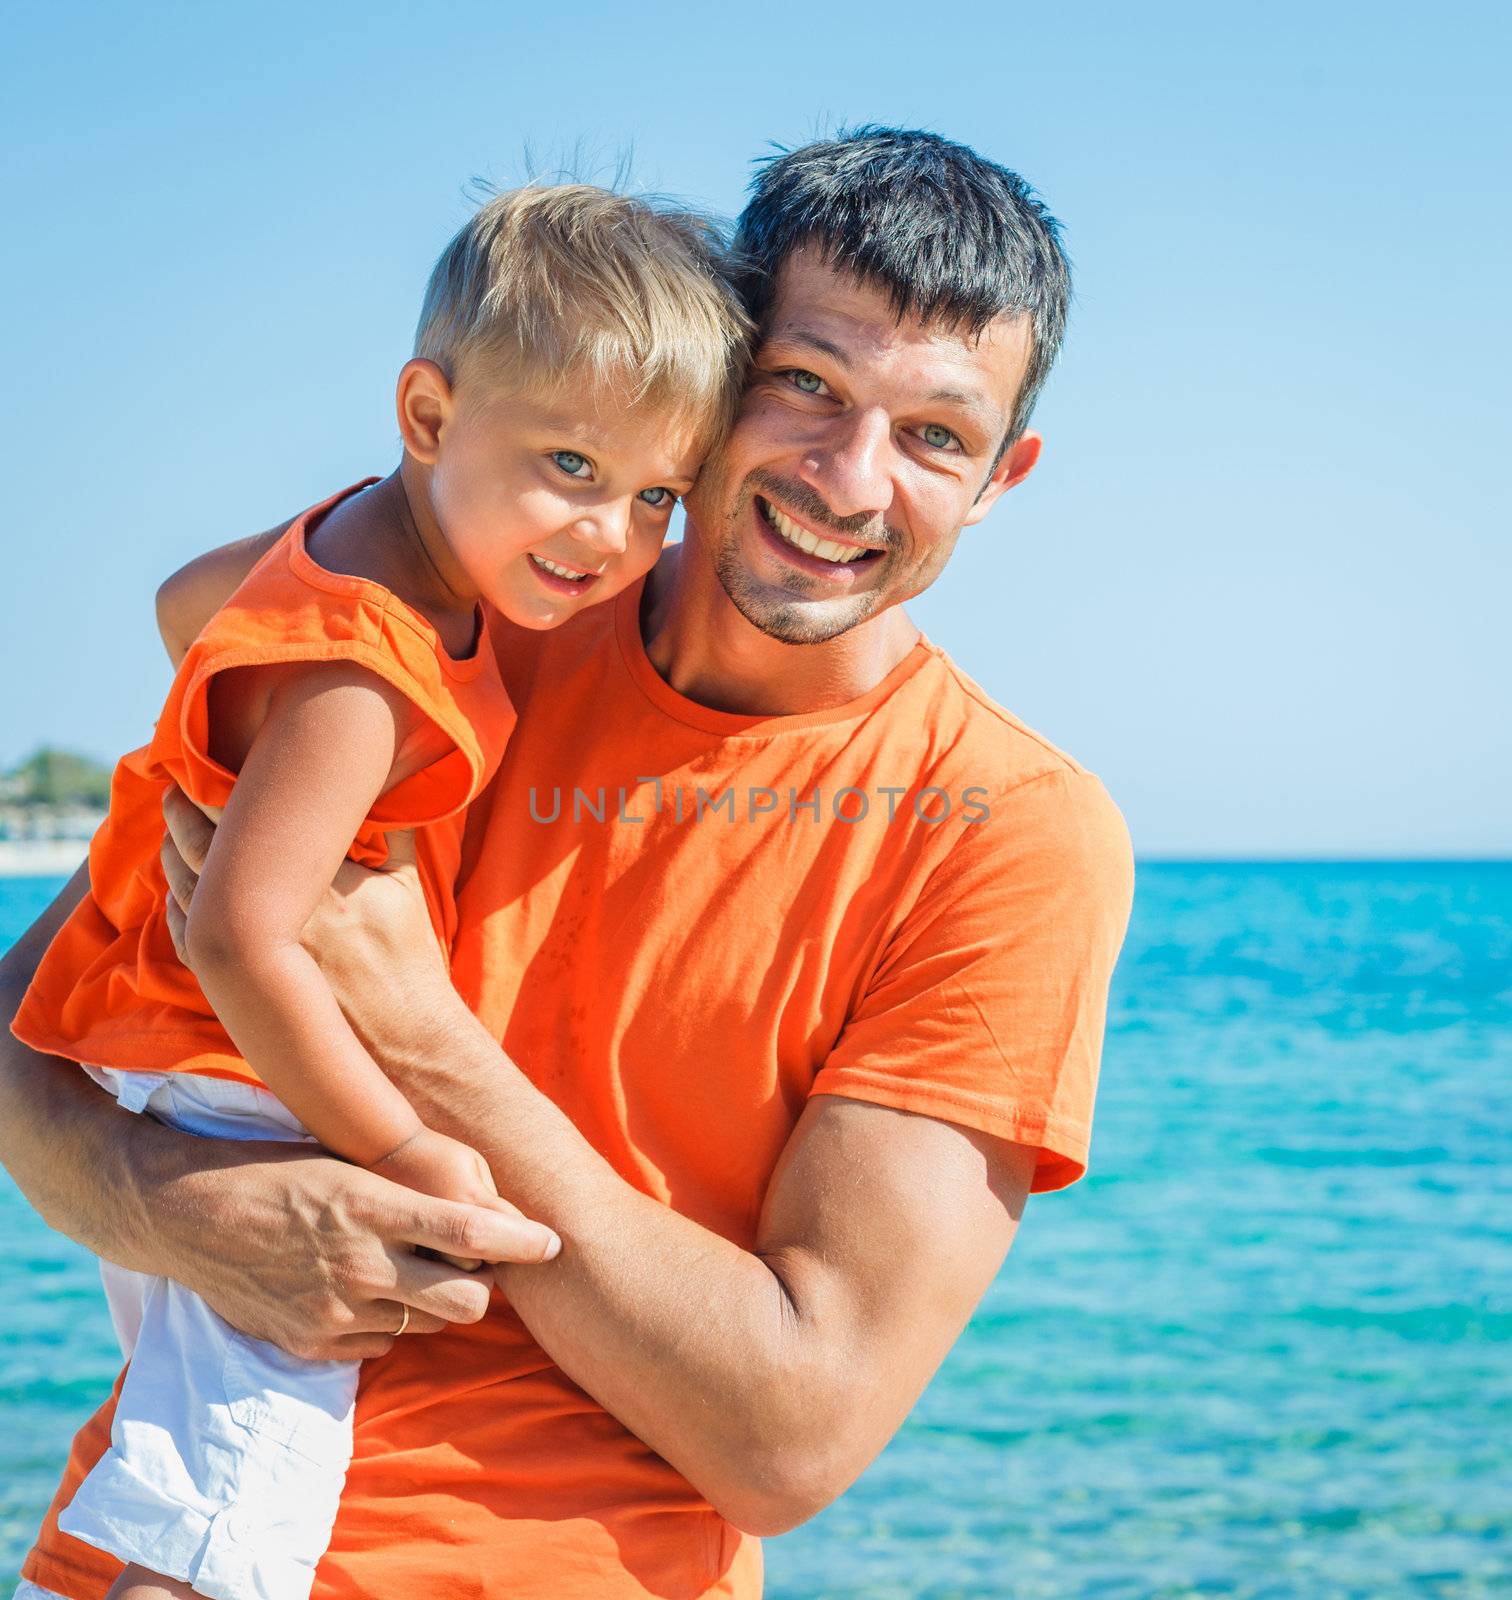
<point>1016,465</point>
<point>424,403</point>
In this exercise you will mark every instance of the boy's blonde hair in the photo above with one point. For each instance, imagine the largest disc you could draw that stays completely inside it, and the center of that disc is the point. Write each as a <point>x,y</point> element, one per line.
<point>569,283</point>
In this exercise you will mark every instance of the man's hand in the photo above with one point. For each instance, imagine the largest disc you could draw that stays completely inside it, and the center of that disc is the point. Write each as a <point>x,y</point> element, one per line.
<point>324,1260</point>
<point>434,1164</point>
<point>286,1244</point>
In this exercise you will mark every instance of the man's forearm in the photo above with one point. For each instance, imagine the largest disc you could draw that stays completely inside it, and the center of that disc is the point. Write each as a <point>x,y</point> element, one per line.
<point>694,1344</point>
<point>127,1187</point>
<point>71,1151</point>
<point>322,1250</point>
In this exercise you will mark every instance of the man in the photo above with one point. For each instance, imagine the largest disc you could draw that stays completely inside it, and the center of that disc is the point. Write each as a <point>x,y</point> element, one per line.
<point>798,947</point>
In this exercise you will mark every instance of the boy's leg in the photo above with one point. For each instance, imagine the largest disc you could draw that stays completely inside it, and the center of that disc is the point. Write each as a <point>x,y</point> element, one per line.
<point>227,1455</point>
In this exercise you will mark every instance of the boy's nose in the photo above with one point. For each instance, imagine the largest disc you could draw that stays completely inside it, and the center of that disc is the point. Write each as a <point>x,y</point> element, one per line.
<point>606,531</point>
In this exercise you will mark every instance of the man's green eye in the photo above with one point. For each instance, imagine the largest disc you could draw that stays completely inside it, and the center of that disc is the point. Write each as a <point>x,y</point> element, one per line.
<point>570,462</point>
<point>937,436</point>
<point>657,497</point>
<point>808,382</point>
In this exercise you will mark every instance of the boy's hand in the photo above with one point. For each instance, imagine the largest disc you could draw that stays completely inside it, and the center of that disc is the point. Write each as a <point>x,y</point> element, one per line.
<point>435,1164</point>
<point>450,1170</point>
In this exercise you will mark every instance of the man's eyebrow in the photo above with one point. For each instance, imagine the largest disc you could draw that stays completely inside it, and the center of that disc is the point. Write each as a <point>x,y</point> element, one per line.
<point>983,413</point>
<point>967,399</point>
<point>815,341</point>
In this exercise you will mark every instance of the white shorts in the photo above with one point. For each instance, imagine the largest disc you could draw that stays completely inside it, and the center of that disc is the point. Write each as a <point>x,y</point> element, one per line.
<point>227,1456</point>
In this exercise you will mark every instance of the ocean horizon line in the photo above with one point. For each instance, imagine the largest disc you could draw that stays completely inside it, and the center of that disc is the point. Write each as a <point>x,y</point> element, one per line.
<point>60,858</point>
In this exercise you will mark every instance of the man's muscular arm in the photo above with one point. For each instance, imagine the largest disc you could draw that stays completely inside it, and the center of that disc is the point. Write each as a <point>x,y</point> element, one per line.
<point>769,1378</point>
<point>325,1252</point>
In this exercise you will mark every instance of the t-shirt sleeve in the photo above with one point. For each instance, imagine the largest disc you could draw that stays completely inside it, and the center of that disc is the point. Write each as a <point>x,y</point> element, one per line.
<point>438,790</point>
<point>988,1005</point>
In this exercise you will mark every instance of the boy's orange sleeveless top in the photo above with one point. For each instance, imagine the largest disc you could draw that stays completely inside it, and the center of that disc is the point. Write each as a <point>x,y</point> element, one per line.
<point>110,991</point>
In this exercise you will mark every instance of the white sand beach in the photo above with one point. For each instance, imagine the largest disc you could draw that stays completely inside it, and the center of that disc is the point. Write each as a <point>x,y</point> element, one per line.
<point>41,858</point>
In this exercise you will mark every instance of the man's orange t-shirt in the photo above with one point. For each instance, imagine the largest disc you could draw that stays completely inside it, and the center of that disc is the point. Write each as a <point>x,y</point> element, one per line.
<point>681,926</point>
<point>110,990</point>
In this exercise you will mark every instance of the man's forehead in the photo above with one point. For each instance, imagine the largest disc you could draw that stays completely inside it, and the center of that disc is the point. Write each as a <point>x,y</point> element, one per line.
<point>852,319</point>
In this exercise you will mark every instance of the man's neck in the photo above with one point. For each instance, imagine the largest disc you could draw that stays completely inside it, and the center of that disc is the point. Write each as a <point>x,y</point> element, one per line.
<point>702,646</point>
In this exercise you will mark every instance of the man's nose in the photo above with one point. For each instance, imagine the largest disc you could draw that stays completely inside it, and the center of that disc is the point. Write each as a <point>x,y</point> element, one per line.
<point>850,469</point>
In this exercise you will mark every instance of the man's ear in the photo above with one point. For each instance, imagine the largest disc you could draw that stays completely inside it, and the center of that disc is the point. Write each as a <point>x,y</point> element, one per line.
<point>424,403</point>
<point>1016,465</point>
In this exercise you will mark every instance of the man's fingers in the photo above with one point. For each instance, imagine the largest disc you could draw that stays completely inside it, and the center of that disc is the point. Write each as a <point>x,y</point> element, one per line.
<point>388,1316</point>
<point>181,880</point>
<point>189,828</point>
<point>352,1347</point>
<point>178,929</point>
<point>364,1346</point>
<point>486,1233</point>
<point>401,848</point>
<point>438,1292</point>
<point>424,1322</point>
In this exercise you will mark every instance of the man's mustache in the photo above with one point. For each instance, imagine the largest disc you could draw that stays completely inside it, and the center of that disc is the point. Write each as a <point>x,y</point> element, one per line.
<point>866,526</point>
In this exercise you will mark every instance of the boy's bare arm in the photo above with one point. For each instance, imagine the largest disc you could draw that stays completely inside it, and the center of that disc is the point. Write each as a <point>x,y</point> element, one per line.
<point>326,747</point>
<point>188,600</point>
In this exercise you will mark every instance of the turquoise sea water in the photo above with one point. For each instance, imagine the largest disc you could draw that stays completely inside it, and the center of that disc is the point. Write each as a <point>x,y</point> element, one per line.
<point>1261,1351</point>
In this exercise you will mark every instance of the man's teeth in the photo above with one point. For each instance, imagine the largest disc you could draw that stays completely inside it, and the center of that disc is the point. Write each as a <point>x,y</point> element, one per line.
<point>825,549</point>
<point>558,568</point>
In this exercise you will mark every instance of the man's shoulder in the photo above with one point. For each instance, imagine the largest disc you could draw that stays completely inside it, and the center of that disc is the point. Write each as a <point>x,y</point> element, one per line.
<point>971,731</point>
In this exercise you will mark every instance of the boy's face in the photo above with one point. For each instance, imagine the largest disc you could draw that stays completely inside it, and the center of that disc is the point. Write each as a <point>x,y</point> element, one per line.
<point>551,505</point>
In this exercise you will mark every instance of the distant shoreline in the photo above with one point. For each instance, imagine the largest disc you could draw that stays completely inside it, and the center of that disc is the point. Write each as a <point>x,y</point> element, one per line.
<point>41,858</point>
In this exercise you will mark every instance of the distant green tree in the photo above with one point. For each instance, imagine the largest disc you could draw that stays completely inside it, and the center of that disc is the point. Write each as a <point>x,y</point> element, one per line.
<point>51,777</point>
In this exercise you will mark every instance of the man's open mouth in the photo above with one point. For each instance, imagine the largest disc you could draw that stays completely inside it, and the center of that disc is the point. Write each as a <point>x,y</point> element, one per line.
<point>812,544</point>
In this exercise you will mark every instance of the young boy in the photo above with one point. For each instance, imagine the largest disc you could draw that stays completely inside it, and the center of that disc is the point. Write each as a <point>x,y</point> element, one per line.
<point>578,354</point>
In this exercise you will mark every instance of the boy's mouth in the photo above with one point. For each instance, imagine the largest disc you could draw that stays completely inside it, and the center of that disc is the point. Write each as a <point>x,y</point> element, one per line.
<point>559,577</point>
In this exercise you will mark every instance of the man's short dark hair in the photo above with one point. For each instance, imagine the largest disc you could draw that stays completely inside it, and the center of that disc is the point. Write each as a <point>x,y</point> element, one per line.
<point>951,237</point>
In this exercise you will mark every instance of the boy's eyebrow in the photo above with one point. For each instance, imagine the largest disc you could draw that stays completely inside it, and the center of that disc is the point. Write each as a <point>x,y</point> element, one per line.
<point>578,427</point>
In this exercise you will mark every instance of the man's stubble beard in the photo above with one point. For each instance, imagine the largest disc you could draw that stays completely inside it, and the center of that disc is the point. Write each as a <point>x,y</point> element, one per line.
<point>789,622</point>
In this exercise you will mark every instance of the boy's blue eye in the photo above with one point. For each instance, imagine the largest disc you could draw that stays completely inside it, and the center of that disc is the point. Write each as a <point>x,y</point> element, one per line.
<point>657,497</point>
<point>937,436</point>
<point>570,462</point>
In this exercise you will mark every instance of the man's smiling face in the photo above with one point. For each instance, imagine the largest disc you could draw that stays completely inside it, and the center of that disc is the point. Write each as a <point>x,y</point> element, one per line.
<point>864,445</point>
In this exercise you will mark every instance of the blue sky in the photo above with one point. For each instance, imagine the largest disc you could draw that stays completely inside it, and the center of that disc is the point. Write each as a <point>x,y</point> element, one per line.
<point>1260,579</point>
